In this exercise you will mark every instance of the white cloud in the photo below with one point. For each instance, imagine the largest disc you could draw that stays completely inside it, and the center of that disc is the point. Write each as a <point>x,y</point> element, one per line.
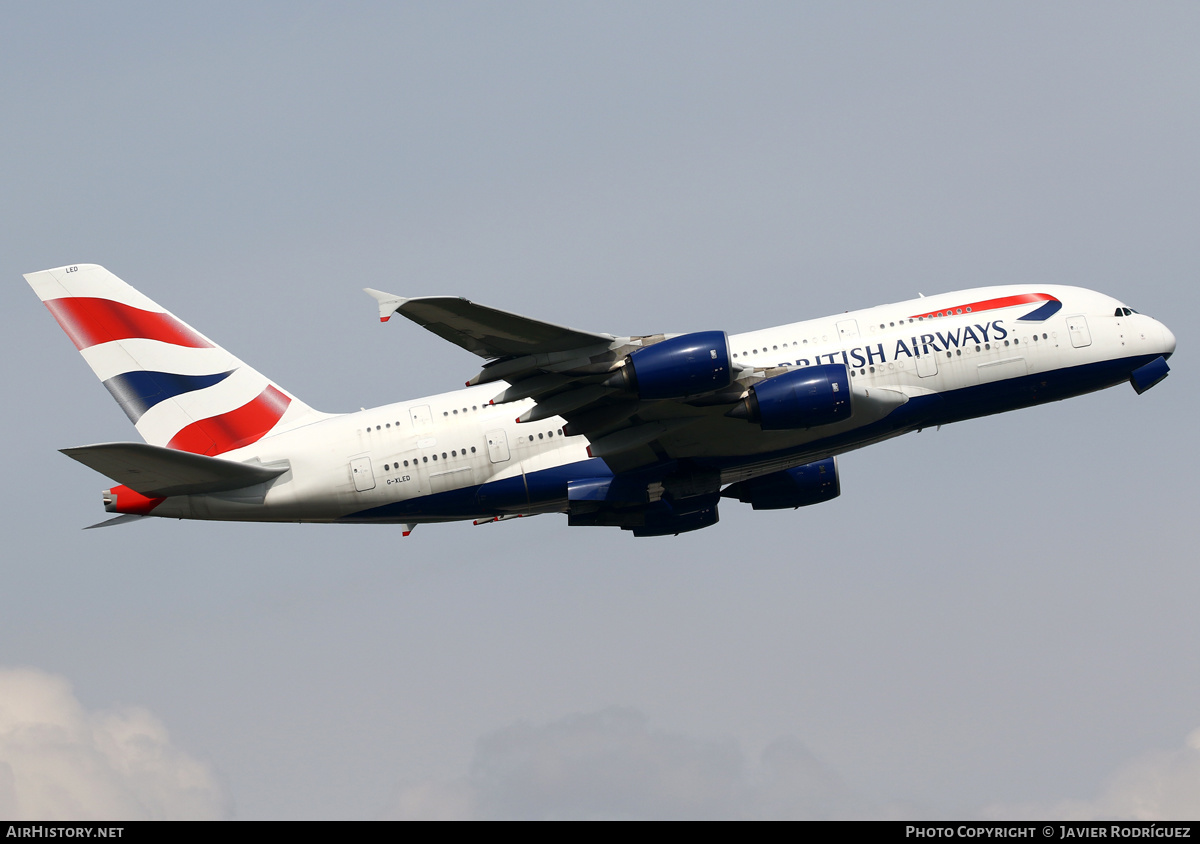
<point>59,761</point>
<point>610,764</point>
<point>1160,785</point>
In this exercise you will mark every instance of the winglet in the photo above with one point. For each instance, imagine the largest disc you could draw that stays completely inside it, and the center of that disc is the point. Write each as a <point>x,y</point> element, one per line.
<point>389,303</point>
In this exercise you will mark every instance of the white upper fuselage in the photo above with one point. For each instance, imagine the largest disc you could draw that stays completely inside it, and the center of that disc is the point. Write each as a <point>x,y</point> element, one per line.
<point>345,466</point>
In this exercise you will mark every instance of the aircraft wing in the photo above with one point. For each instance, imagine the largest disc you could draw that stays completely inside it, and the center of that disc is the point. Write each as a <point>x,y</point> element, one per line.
<point>487,332</point>
<point>575,375</point>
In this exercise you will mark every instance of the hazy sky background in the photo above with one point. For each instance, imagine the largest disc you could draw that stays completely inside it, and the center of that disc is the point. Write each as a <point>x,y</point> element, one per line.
<point>995,619</point>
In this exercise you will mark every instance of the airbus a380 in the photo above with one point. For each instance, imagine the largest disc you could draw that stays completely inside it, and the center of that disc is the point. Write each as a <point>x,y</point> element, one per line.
<point>642,433</point>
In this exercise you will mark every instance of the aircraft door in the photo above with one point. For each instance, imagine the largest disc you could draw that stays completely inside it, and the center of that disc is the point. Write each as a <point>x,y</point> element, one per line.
<point>1080,336</point>
<point>497,446</point>
<point>420,416</point>
<point>848,329</point>
<point>926,365</point>
<point>364,478</point>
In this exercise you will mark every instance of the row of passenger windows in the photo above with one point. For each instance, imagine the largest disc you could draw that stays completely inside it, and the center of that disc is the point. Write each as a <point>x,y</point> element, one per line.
<point>474,407</point>
<point>883,326</point>
<point>947,312</point>
<point>387,467</point>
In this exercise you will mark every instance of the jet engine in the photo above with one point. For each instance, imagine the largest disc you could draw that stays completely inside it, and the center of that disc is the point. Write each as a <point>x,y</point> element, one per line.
<point>687,365</point>
<point>791,488</point>
<point>801,398</point>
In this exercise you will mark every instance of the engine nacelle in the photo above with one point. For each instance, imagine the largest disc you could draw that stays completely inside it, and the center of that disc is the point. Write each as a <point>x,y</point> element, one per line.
<point>688,365</point>
<point>791,488</point>
<point>801,398</point>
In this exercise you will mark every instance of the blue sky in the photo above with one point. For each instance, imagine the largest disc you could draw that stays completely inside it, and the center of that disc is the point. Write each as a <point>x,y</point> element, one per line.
<point>995,618</point>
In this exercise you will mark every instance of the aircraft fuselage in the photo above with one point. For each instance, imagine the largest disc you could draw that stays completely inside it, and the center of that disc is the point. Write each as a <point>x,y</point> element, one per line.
<point>919,363</point>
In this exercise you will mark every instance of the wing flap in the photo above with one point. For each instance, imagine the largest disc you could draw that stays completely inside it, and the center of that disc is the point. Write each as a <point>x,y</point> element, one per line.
<point>158,472</point>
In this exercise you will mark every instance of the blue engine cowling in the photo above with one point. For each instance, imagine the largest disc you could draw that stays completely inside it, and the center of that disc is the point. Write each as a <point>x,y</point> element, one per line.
<point>791,488</point>
<point>671,518</point>
<point>802,398</point>
<point>688,365</point>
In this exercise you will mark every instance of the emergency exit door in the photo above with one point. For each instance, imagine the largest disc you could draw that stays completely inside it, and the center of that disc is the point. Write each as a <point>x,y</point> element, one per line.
<point>360,470</point>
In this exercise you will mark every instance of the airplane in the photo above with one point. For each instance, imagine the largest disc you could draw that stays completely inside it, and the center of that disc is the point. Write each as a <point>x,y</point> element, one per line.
<point>643,433</point>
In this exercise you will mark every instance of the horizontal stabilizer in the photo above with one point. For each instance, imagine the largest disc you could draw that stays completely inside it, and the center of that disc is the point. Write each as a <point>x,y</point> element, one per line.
<point>124,518</point>
<point>158,472</point>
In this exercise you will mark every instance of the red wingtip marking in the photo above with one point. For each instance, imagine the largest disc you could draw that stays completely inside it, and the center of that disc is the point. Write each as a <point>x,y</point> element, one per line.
<point>407,532</point>
<point>589,451</point>
<point>385,319</point>
<point>492,402</point>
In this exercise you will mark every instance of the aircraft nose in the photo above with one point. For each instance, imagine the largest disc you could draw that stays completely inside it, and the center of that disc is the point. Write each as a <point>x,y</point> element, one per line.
<point>1168,340</point>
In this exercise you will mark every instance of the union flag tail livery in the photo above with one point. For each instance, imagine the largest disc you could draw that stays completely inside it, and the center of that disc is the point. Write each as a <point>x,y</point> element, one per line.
<point>644,433</point>
<point>180,389</point>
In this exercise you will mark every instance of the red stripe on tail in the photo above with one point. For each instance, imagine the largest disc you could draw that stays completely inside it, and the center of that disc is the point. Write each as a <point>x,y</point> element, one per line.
<point>89,322</point>
<point>243,426</point>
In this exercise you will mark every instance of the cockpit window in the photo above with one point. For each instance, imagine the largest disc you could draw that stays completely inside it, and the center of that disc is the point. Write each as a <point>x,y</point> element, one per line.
<point>1124,312</point>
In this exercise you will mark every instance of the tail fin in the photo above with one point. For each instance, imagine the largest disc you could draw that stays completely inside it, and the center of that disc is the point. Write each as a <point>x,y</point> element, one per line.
<point>179,388</point>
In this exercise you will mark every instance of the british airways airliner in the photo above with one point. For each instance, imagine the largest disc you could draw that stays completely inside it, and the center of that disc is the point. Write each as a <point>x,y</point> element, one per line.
<point>642,433</point>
